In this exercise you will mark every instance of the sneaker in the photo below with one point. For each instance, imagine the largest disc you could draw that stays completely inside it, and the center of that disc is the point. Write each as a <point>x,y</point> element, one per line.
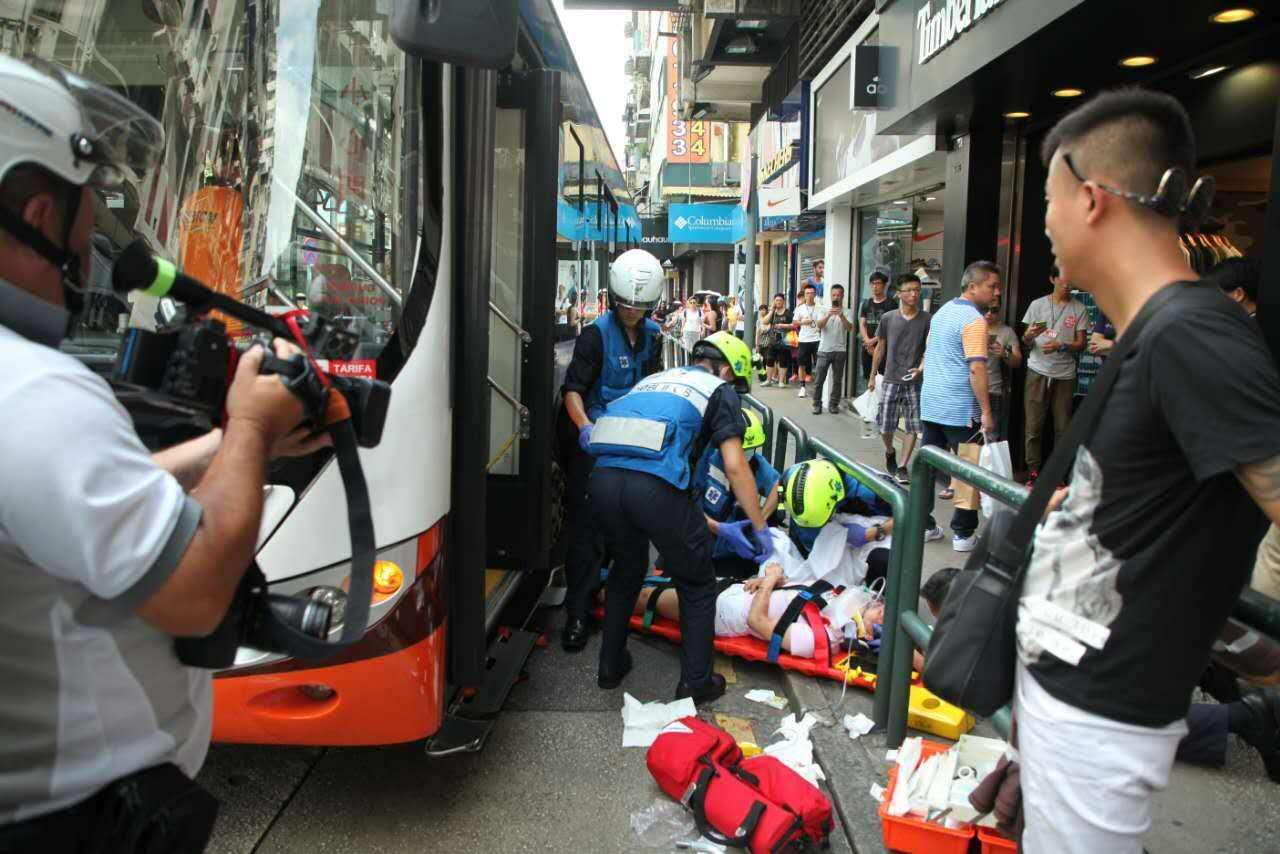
<point>833,409</point>
<point>817,410</point>
<point>964,544</point>
<point>707,692</point>
<point>902,476</point>
<point>890,461</point>
<point>933,534</point>
<point>801,393</point>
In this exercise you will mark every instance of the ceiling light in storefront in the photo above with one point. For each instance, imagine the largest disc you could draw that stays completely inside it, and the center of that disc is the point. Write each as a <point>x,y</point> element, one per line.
<point>900,202</point>
<point>752,25</point>
<point>1208,71</point>
<point>930,198</point>
<point>1233,16</point>
<point>1138,61</point>
<point>1018,114</point>
<point>1067,93</point>
<point>741,45</point>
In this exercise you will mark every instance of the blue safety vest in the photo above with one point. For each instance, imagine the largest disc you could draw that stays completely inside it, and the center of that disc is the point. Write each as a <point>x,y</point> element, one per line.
<point>712,484</point>
<point>653,427</point>
<point>622,367</point>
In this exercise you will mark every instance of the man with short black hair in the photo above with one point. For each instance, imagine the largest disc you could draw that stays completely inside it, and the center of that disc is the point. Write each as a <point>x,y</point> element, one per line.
<point>1238,278</point>
<point>1056,328</point>
<point>834,325</point>
<point>902,336</point>
<point>819,285</point>
<point>874,307</point>
<point>1120,607</point>
<point>955,404</point>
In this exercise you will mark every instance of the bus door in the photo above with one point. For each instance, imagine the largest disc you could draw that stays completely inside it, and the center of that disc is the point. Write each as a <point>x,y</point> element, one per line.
<point>520,489</point>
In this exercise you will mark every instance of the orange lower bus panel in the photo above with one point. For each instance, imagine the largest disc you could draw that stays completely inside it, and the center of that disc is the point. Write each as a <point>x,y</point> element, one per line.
<point>388,699</point>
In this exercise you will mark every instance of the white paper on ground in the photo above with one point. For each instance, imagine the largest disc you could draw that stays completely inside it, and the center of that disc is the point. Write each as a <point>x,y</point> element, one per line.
<point>641,722</point>
<point>877,792</point>
<point>858,725</point>
<point>760,695</point>
<point>796,750</point>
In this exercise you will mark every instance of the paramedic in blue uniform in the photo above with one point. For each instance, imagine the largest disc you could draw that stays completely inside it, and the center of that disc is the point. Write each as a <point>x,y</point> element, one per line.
<point>610,356</point>
<point>646,444</point>
<point>824,497</point>
<point>718,505</point>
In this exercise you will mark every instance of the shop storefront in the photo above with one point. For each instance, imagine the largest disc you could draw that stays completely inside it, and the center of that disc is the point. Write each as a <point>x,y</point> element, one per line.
<point>985,81</point>
<point>882,194</point>
<point>991,79</point>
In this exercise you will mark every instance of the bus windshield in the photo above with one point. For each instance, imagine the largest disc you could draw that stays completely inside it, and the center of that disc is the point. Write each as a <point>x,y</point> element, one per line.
<point>289,175</point>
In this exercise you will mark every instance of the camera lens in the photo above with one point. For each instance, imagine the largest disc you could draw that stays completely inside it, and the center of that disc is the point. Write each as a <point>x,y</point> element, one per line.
<point>308,616</point>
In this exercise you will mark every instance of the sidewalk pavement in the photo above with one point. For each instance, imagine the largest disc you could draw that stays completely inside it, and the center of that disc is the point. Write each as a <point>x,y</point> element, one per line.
<point>1235,808</point>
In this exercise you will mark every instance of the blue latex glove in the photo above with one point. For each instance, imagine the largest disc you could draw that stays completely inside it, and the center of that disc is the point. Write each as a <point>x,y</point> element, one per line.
<point>584,437</point>
<point>874,645</point>
<point>764,545</point>
<point>735,536</point>
<point>855,535</point>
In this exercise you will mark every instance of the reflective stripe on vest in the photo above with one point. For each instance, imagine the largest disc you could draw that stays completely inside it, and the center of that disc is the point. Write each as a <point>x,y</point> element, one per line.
<point>653,427</point>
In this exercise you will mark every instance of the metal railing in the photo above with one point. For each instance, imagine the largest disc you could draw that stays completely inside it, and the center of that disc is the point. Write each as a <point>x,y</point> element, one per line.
<point>902,599</point>
<point>904,631</point>
<point>894,496</point>
<point>788,428</point>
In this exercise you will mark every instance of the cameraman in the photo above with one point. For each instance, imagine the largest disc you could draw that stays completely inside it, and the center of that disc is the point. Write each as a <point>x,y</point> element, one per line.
<point>104,556</point>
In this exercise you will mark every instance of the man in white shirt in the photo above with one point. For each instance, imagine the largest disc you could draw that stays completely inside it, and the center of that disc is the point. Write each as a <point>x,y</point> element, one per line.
<point>834,326</point>
<point>107,553</point>
<point>807,315</point>
<point>1057,326</point>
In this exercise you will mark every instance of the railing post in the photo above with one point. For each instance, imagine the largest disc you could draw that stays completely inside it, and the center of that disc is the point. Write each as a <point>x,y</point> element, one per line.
<point>907,594</point>
<point>787,427</point>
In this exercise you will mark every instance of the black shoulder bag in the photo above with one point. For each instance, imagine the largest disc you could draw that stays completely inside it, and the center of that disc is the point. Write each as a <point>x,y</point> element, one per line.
<point>972,654</point>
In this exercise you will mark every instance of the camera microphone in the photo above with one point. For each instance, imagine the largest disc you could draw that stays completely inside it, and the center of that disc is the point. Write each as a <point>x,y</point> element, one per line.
<point>136,269</point>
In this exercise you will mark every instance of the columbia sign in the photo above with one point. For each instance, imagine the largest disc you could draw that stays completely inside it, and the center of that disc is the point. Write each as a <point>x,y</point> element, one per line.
<point>937,30</point>
<point>709,223</point>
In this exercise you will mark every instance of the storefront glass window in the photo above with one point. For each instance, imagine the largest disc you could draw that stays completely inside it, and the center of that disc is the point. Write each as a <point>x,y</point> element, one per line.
<point>265,113</point>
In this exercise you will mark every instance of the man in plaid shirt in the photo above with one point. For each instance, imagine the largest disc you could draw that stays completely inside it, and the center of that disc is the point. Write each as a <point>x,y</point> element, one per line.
<point>902,335</point>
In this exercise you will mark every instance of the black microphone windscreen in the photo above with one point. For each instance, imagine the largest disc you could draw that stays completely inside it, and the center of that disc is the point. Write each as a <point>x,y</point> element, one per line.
<point>134,268</point>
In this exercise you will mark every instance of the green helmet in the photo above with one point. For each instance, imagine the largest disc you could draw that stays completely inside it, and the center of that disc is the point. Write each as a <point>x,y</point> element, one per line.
<point>754,437</point>
<point>728,348</point>
<point>813,489</point>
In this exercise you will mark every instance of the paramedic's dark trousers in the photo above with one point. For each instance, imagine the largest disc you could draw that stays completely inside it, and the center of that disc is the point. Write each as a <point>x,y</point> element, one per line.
<point>632,510</point>
<point>1206,740</point>
<point>586,548</point>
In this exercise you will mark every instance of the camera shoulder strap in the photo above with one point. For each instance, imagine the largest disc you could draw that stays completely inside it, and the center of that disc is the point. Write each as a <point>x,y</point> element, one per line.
<point>1011,550</point>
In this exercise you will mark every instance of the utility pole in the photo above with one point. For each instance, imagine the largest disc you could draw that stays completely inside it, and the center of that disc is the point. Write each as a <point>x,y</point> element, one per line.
<point>749,289</point>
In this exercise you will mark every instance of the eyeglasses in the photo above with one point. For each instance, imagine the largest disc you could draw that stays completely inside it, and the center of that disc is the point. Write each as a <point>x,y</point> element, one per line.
<point>1172,197</point>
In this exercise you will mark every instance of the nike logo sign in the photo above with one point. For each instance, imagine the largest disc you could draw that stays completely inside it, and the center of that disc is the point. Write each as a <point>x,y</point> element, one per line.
<point>920,235</point>
<point>775,203</point>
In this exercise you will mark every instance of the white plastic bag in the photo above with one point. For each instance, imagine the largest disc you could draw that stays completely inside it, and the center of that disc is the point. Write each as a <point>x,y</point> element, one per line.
<point>867,404</point>
<point>995,459</point>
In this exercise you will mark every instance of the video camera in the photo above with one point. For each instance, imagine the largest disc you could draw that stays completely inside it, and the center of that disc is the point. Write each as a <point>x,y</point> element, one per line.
<point>188,368</point>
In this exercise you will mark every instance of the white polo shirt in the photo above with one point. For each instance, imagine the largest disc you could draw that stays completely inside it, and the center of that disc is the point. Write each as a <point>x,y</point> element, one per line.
<point>89,528</point>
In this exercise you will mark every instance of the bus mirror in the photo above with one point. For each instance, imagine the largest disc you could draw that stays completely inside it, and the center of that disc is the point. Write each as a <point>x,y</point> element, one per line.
<point>479,33</point>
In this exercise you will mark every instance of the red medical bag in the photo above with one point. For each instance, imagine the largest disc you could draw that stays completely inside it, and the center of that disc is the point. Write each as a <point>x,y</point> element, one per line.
<point>759,804</point>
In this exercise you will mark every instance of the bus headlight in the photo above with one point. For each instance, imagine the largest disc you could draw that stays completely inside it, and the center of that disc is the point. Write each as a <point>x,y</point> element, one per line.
<point>335,599</point>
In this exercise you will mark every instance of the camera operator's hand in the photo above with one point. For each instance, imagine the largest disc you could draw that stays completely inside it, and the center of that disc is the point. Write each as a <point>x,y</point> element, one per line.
<point>299,443</point>
<point>261,400</point>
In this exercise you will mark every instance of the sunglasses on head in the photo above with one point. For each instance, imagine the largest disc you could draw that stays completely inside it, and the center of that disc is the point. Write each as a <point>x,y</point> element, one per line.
<point>1174,197</point>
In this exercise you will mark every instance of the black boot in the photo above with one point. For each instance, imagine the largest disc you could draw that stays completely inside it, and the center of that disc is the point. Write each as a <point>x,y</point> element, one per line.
<point>1262,730</point>
<point>710,690</point>
<point>576,632</point>
<point>610,679</point>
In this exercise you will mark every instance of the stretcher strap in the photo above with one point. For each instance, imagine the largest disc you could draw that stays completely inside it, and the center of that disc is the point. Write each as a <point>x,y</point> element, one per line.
<point>821,641</point>
<point>789,616</point>
<point>663,583</point>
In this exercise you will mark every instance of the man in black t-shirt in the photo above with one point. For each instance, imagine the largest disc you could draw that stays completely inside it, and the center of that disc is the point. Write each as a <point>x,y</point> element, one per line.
<point>874,307</point>
<point>1135,572</point>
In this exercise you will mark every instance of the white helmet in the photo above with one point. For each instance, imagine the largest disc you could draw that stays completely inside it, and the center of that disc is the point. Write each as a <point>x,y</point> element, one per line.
<point>635,280</point>
<point>77,130</point>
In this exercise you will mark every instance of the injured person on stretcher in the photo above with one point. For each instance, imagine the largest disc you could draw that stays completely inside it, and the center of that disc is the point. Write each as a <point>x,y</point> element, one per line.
<point>754,607</point>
